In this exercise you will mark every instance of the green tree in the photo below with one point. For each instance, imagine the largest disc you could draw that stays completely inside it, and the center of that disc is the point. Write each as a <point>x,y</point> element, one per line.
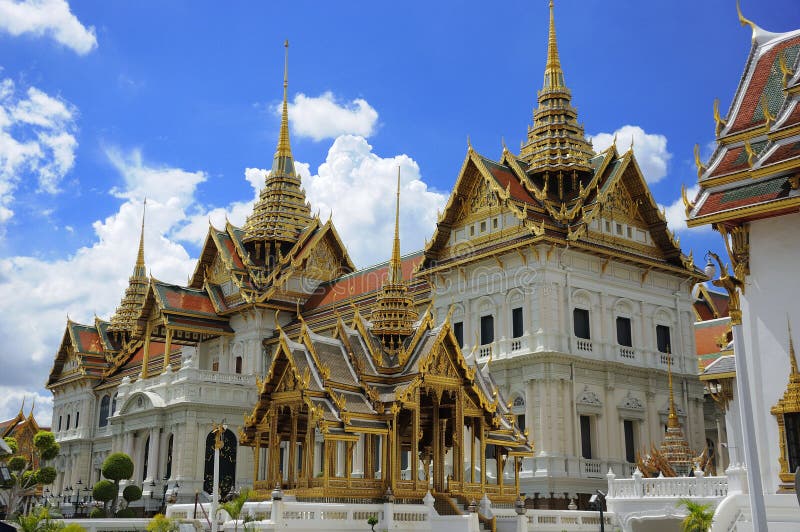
<point>39,521</point>
<point>24,476</point>
<point>372,521</point>
<point>104,491</point>
<point>699,516</point>
<point>234,507</point>
<point>116,468</point>
<point>161,523</point>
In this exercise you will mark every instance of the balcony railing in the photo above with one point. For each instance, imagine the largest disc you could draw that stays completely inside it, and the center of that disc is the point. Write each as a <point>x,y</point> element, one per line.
<point>627,352</point>
<point>584,345</point>
<point>226,378</point>
<point>592,468</point>
<point>485,350</point>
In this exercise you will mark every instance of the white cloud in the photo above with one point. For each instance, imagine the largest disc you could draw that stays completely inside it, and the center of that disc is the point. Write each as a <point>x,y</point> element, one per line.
<point>37,140</point>
<point>675,213</point>
<point>322,117</point>
<point>12,397</point>
<point>650,149</point>
<point>359,187</point>
<point>38,294</point>
<point>52,18</point>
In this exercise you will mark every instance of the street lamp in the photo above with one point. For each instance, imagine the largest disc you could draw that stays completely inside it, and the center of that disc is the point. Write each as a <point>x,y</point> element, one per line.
<point>598,502</point>
<point>219,442</point>
<point>733,286</point>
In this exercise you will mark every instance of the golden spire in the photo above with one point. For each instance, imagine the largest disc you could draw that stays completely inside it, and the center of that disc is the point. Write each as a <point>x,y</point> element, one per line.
<point>792,358</point>
<point>556,142</point>
<point>284,148</point>
<point>281,211</point>
<point>395,266</point>
<point>553,75</point>
<point>672,420</point>
<point>124,318</point>
<point>394,316</point>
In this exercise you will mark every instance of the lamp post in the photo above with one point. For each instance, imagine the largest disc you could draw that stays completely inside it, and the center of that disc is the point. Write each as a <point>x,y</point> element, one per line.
<point>733,286</point>
<point>219,441</point>
<point>598,502</point>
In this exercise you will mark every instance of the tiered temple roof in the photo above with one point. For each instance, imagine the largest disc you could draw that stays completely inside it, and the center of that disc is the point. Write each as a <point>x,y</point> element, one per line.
<point>754,171</point>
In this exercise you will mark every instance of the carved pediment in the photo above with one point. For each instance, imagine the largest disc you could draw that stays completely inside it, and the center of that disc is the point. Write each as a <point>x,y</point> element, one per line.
<point>439,363</point>
<point>323,262</point>
<point>631,402</point>
<point>589,398</point>
<point>621,206</point>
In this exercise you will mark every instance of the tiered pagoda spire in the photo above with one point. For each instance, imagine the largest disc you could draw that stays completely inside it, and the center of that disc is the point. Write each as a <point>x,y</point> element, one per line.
<point>393,320</point>
<point>281,212</point>
<point>556,145</point>
<point>124,318</point>
<point>674,448</point>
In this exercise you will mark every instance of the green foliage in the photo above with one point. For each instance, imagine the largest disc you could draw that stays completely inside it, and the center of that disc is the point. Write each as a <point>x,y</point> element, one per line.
<point>46,475</point>
<point>118,466</point>
<point>126,512</point>
<point>104,491</point>
<point>38,521</point>
<point>97,513</point>
<point>372,521</point>
<point>699,516</point>
<point>28,478</point>
<point>17,463</point>
<point>161,523</point>
<point>132,493</point>
<point>74,527</point>
<point>12,442</point>
<point>43,440</point>
<point>50,452</point>
<point>234,507</point>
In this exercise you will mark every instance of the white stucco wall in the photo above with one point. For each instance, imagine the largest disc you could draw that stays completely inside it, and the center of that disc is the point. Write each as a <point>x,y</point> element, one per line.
<point>772,293</point>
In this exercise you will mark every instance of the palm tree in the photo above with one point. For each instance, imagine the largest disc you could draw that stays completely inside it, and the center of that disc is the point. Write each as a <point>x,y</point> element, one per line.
<point>234,507</point>
<point>699,516</point>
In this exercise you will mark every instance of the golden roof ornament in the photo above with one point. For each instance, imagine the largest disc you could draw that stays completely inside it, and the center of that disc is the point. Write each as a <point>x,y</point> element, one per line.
<point>556,141</point>
<point>393,319</point>
<point>281,212</point>
<point>787,405</point>
<point>124,318</point>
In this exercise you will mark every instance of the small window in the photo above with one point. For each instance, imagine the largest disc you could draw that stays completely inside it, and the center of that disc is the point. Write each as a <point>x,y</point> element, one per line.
<point>458,332</point>
<point>59,422</point>
<point>608,226</point>
<point>67,421</point>
<point>630,441</point>
<point>630,232</point>
<point>586,437</point>
<point>215,364</point>
<point>521,422</point>
<point>77,419</point>
<point>516,322</point>
<point>471,230</point>
<point>581,322</point>
<point>792,423</point>
<point>487,329</point>
<point>483,227</point>
<point>662,338</point>
<point>619,229</point>
<point>494,223</point>
<point>104,405</point>
<point>113,405</point>
<point>238,364</point>
<point>624,336</point>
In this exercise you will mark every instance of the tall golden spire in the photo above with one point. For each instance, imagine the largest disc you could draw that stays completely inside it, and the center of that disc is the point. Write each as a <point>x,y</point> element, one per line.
<point>672,420</point>
<point>674,448</point>
<point>124,318</point>
<point>556,143</point>
<point>281,212</point>
<point>553,75</point>
<point>792,358</point>
<point>395,266</point>
<point>284,148</point>
<point>393,318</point>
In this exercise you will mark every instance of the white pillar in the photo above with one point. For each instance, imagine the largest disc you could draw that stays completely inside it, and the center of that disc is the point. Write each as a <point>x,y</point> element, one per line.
<point>152,456</point>
<point>755,489</point>
<point>215,493</point>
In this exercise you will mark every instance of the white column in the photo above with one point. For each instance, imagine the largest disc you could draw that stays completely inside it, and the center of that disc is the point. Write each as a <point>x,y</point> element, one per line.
<point>152,456</point>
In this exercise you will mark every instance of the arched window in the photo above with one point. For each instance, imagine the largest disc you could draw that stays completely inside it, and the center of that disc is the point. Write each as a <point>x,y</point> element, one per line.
<point>113,405</point>
<point>77,419</point>
<point>146,456</point>
<point>67,422</point>
<point>227,463</point>
<point>59,422</point>
<point>104,404</point>
<point>238,364</point>
<point>168,472</point>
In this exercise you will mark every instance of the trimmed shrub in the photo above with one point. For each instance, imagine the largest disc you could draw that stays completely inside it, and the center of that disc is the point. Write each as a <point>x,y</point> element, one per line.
<point>118,466</point>
<point>104,491</point>
<point>132,493</point>
<point>46,475</point>
<point>44,439</point>
<point>51,452</point>
<point>12,442</point>
<point>17,463</point>
<point>96,513</point>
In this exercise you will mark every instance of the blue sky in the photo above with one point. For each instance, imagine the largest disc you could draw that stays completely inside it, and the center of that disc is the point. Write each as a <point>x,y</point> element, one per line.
<point>104,103</point>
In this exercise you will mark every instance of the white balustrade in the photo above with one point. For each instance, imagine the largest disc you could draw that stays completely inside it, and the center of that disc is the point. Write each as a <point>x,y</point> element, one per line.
<point>584,345</point>
<point>627,352</point>
<point>669,487</point>
<point>592,468</point>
